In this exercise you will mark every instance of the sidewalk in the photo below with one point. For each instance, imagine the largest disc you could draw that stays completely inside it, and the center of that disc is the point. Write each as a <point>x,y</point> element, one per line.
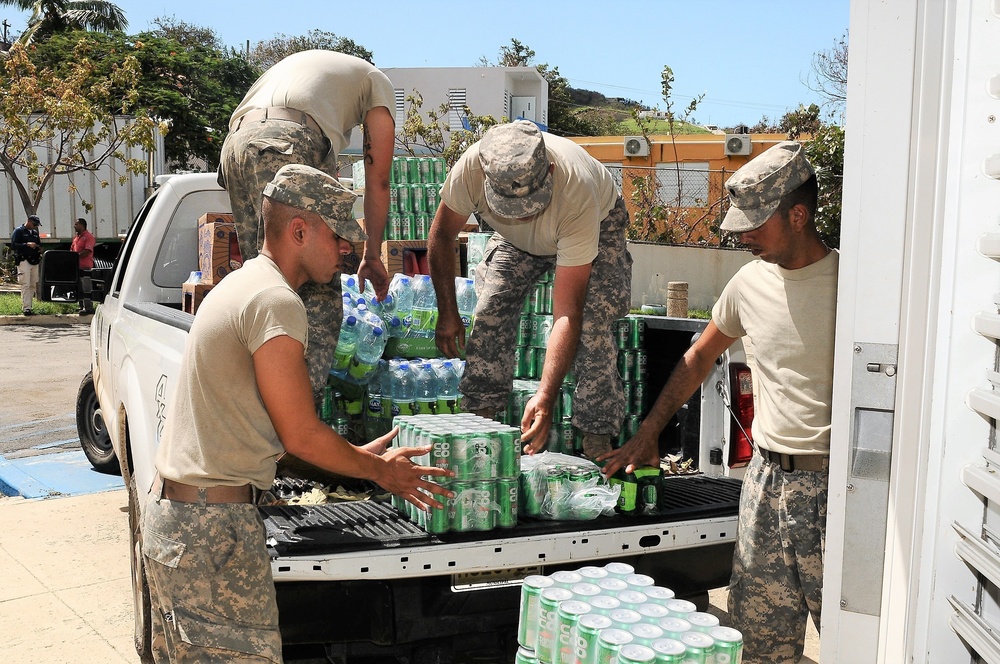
<point>65,591</point>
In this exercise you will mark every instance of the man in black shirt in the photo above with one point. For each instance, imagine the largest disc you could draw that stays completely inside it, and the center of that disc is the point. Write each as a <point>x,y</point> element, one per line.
<point>27,255</point>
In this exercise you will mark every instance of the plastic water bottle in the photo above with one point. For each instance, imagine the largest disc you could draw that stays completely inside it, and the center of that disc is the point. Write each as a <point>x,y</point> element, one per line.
<point>401,289</point>
<point>374,414</point>
<point>394,327</point>
<point>347,343</point>
<point>384,377</point>
<point>370,345</point>
<point>425,387</point>
<point>385,308</point>
<point>447,378</point>
<point>424,307</point>
<point>349,285</point>
<point>402,389</point>
<point>465,298</point>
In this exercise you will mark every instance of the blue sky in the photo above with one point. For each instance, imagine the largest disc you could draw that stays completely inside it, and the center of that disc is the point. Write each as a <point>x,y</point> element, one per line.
<point>749,57</point>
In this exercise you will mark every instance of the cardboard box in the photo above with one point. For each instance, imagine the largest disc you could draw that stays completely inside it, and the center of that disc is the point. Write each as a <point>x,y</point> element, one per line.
<point>218,247</point>
<point>192,296</point>
<point>410,257</point>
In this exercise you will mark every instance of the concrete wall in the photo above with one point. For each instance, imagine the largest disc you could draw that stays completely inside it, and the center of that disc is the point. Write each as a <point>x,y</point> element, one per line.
<point>706,269</point>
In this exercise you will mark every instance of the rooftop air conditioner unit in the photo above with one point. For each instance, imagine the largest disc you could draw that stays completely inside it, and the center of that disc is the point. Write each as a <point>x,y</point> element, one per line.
<point>636,146</point>
<point>737,144</point>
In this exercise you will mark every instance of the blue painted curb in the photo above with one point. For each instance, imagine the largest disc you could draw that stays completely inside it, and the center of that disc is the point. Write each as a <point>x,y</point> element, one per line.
<point>52,475</point>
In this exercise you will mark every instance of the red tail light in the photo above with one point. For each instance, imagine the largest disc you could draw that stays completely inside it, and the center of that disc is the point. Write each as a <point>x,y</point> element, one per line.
<point>741,389</point>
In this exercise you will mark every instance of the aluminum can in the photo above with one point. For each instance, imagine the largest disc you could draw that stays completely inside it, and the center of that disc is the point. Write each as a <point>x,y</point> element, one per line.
<point>592,573</point>
<point>506,497</point>
<point>527,624</point>
<point>648,496</point>
<point>728,645</point>
<point>569,614</point>
<point>439,518</point>
<point>440,169</point>
<point>674,628</point>
<point>404,199</point>
<point>565,578</point>
<point>628,387</point>
<point>626,364</point>
<point>634,421</point>
<point>532,493</point>
<point>426,169</point>
<point>612,585</point>
<point>624,618</point>
<point>342,425</point>
<point>566,399</point>
<point>636,653</point>
<point>473,506</point>
<point>668,651</point>
<point>548,622</point>
<point>412,170</point>
<point>547,290</point>
<point>541,329</point>
<point>526,305</point>
<point>473,456</point>
<point>525,656</point>
<point>538,299</point>
<point>524,330</point>
<point>621,327</point>
<point>702,622</point>
<point>556,482</point>
<point>539,363</point>
<point>509,463</point>
<point>582,478</point>
<point>410,221</point>
<point>631,599</point>
<point>423,221</point>
<point>639,368</point>
<point>609,642</point>
<point>640,582</point>
<point>658,594</point>
<point>698,648</point>
<point>432,197</point>
<point>588,630</point>
<point>638,401</point>
<point>636,332</point>
<point>604,604</point>
<point>566,434</point>
<point>651,612</point>
<point>393,198</point>
<point>417,199</point>
<point>585,591</point>
<point>395,226</point>
<point>645,633</point>
<point>524,360</point>
<point>397,171</point>
<point>440,450</point>
<point>680,608</point>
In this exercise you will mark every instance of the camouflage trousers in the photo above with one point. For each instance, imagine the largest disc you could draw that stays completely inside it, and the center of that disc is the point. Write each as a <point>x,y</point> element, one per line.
<point>777,577</point>
<point>211,591</point>
<point>504,279</point>
<point>250,157</point>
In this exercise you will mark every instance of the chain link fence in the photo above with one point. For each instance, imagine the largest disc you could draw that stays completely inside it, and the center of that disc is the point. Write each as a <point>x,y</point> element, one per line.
<point>674,204</point>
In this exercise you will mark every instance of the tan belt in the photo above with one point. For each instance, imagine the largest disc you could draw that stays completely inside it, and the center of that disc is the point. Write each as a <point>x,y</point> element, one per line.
<point>791,462</point>
<point>185,493</point>
<point>279,113</point>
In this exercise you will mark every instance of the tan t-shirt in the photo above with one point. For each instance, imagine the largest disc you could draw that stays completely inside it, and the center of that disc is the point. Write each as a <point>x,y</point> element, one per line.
<point>569,228</point>
<point>217,431</point>
<point>787,320</point>
<point>336,89</point>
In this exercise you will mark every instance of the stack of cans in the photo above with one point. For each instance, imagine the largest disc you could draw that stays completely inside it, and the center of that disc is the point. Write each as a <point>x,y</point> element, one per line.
<point>414,194</point>
<point>486,459</point>
<point>476,252</point>
<point>630,338</point>
<point>533,330</point>
<point>558,490</point>
<point>563,437</point>
<point>609,615</point>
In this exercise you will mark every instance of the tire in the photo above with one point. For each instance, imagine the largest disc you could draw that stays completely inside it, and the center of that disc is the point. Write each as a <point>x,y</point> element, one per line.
<point>92,429</point>
<point>143,635</point>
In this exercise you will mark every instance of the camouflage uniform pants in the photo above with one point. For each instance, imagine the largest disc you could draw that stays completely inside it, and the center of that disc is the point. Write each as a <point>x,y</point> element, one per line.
<point>778,564</point>
<point>250,157</point>
<point>504,278</point>
<point>211,591</point>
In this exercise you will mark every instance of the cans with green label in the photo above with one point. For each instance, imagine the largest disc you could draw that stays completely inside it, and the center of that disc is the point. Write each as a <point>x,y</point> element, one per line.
<point>439,518</point>
<point>588,630</point>
<point>473,456</point>
<point>527,624</point>
<point>525,656</point>
<point>472,506</point>
<point>668,651</point>
<point>680,608</point>
<point>628,388</point>
<point>640,363</point>
<point>404,199</point>
<point>728,645</point>
<point>556,482</point>
<point>609,643</point>
<point>418,199</point>
<point>636,653</point>
<point>546,645</point>
<point>566,437</point>
<point>397,172</point>
<point>673,627</point>
<point>412,170</point>
<point>395,226</point>
<point>432,197</point>
<point>626,364</point>
<point>532,493</point>
<point>636,332</point>
<point>619,570</point>
<point>541,329</point>
<point>638,402</point>
<point>524,361</point>
<point>539,363</point>
<point>524,330</point>
<point>507,491</point>
<point>698,648</point>
<point>569,613</point>
<point>621,330</point>
<point>702,622</point>
<point>644,633</point>
<point>426,169</point>
<point>604,604</point>
<point>509,463</point>
<point>440,168</point>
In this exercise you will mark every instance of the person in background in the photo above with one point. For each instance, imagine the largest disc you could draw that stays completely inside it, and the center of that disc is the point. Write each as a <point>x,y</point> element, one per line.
<point>302,110</point>
<point>783,306</point>
<point>27,255</point>
<point>83,244</point>
<point>242,400</point>
<point>551,205</point>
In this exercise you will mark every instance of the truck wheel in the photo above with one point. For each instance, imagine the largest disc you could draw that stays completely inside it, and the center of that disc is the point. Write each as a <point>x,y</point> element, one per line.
<point>143,635</point>
<point>90,426</point>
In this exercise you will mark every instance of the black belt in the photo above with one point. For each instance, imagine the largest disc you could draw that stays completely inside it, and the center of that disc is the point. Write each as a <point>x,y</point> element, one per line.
<point>791,462</point>
<point>279,113</point>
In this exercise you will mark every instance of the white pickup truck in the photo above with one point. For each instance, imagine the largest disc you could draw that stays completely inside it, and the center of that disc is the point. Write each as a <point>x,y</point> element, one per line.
<point>365,582</point>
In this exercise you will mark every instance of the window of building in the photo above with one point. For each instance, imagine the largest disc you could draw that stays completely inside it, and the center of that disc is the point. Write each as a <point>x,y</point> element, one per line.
<point>456,105</point>
<point>400,107</point>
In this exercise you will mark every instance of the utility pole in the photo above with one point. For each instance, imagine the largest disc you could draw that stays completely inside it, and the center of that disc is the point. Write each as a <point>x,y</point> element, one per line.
<point>4,41</point>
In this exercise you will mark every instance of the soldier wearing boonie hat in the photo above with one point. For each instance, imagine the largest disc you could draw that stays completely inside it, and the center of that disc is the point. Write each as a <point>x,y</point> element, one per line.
<point>241,402</point>
<point>552,205</point>
<point>755,190</point>
<point>783,306</point>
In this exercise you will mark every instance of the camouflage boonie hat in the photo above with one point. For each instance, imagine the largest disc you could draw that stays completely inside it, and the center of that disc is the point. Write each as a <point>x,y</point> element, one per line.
<point>756,189</point>
<point>312,190</point>
<point>518,182</point>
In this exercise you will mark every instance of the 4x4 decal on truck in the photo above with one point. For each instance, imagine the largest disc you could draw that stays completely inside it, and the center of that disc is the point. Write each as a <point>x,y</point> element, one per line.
<point>161,405</point>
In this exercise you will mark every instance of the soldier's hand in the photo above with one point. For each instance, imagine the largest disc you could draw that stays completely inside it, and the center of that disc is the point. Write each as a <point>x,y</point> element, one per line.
<point>371,269</point>
<point>535,424</point>
<point>405,479</point>
<point>642,449</point>
<point>449,334</point>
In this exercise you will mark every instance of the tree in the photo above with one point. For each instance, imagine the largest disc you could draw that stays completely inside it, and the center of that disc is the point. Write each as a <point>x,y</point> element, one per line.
<point>267,53</point>
<point>434,135</point>
<point>59,124</point>
<point>829,75</point>
<point>185,81</point>
<point>826,153</point>
<point>49,17</point>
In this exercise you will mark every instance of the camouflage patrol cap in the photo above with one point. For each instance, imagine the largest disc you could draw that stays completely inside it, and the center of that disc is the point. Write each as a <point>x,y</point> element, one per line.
<point>518,182</point>
<point>312,190</point>
<point>756,189</point>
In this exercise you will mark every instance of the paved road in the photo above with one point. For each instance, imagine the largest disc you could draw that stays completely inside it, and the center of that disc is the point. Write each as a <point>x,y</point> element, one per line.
<point>40,369</point>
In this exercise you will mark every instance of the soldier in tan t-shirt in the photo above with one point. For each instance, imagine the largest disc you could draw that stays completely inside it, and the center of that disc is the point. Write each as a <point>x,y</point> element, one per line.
<point>552,205</point>
<point>242,399</point>
<point>302,111</point>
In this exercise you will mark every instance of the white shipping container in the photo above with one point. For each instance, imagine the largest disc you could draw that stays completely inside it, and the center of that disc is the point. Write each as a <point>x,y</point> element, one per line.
<point>114,206</point>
